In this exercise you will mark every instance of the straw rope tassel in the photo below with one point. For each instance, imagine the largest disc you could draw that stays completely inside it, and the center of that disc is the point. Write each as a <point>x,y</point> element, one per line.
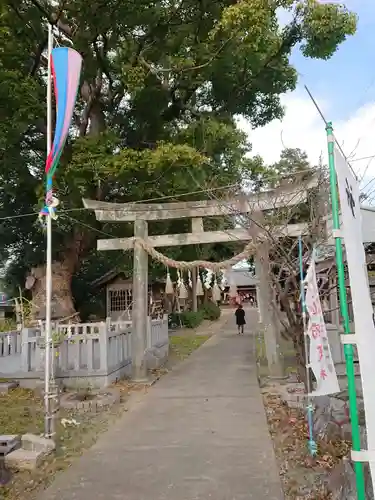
<point>199,291</point>
<point>168,284</point>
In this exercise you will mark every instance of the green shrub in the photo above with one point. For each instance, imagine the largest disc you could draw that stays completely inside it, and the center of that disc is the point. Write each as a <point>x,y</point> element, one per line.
<point>192,319</point>
<point>174,320</point>
<point>210,311</point>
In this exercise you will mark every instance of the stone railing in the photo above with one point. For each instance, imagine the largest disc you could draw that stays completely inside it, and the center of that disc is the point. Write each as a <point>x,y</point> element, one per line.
<point>10,343</point>
<point>156,333</point>
<point>94,354</point>
<point>10,349</point>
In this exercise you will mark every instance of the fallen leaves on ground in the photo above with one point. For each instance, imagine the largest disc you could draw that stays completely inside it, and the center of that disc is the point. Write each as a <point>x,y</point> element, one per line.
<point>302,475</point>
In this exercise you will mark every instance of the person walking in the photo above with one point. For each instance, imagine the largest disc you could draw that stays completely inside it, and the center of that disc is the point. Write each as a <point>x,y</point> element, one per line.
<point>240,318</point>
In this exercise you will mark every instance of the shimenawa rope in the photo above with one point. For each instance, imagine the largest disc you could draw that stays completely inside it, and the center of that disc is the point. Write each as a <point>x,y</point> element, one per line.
<point>184,265</point>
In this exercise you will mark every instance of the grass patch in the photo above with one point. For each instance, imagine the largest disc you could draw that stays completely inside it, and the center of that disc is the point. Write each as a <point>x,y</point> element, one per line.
<point>21,411</point>
<point>183,346</point>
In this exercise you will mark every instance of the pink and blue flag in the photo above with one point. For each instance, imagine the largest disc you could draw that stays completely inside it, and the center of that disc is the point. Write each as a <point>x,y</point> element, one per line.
<point>66,71</point>
<point>66,66</point>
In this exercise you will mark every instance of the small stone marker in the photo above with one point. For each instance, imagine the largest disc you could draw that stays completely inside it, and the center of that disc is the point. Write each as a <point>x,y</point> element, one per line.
<point>8,443</point>
<point>24,459</point>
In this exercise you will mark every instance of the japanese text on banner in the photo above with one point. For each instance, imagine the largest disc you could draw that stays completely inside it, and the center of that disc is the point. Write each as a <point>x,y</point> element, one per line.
<point>321,361</point>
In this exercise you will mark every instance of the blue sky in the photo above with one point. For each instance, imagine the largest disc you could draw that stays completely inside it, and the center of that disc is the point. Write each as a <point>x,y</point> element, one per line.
<point>344,88</point>
<point>344,80</point>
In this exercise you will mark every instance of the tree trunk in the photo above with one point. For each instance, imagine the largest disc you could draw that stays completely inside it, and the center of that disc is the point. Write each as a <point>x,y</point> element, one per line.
<point>299,348</point>
<point>62,300</point>
<point>299,340</point>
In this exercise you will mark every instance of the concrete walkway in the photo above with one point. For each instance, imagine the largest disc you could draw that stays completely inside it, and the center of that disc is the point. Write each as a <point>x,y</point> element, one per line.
<point>199,434</point>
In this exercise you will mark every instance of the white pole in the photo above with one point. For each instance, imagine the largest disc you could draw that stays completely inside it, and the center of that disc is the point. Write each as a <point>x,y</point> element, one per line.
<point>48,333</point>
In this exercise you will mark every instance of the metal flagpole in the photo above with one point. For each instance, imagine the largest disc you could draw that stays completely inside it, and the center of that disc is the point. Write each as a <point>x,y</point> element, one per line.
<point>48,333</point>
<point>348,348</point>
<point>312,444</point>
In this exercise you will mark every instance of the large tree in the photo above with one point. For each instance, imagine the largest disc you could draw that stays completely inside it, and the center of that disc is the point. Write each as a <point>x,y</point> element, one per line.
<point>162,84</point>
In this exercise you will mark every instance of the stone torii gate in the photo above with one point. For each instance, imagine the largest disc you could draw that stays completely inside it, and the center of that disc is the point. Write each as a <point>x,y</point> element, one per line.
<point>140,214</point>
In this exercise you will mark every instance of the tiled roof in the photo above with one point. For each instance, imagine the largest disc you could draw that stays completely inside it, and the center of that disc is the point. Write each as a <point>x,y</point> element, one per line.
<point>240,277</point>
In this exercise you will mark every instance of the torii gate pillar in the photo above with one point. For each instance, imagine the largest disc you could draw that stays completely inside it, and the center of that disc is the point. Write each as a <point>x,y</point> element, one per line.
<point>140,304</point>
<point>267,313</point>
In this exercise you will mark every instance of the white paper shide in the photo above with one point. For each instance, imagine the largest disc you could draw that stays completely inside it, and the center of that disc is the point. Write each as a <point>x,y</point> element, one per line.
<point>321,361</point>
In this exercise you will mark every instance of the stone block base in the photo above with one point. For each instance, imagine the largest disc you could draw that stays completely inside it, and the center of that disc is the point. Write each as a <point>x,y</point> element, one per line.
<point>24,459</point>
<point>31,455</point>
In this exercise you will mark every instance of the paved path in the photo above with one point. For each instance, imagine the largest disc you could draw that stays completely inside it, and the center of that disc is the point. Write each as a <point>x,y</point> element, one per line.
<point>199,434</point>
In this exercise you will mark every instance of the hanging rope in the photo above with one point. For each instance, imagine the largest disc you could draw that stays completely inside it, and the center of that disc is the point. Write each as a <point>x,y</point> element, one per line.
<point>183,265</point>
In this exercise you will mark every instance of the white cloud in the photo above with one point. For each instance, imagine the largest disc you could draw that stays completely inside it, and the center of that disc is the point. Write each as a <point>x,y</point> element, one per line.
<point>303,128</point>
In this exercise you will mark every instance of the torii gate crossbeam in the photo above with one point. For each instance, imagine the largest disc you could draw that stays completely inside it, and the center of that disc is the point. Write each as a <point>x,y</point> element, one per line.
<point>140,214</point>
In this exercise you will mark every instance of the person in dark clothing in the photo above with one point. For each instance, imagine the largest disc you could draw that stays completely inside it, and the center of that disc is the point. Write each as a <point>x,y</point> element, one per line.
<point>240,318</point>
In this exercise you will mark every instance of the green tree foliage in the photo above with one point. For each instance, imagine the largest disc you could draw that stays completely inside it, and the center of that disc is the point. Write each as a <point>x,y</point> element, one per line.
<point>292,162</point>
<point>162,83</point>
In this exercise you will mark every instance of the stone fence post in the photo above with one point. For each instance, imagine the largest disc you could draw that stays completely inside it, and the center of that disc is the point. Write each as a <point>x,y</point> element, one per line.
<point>104,333</point>
<point>148,332</point>
<point>25,359</point>
<point>165,328</point>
